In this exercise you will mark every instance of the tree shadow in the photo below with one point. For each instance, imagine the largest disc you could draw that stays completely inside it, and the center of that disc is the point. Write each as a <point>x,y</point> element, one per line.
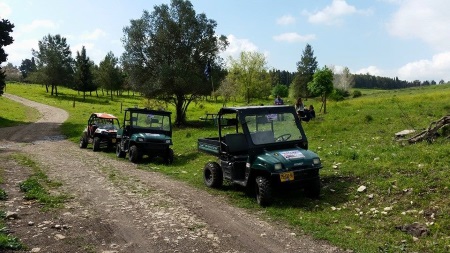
<point>4,122</point>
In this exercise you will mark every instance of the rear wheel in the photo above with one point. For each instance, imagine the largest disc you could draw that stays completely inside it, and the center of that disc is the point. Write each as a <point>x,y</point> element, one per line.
<point>96,144</point>
<point>212,175</point>
<point>83,142</point>
<point>263,191</point>
<point>134,154</point>
<point>119,152</point>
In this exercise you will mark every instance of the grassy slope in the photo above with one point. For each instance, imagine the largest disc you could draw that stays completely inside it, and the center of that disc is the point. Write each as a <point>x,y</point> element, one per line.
<point>407,183</point>
<point>13,113</point>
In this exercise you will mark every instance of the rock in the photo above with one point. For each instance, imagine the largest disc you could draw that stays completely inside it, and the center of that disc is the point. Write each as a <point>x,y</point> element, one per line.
<point>30,223</point>
<point>370,196</point>
<point>11,215</point>
<point>60,237</point>
<point>362,188</point>
<point>416,229</point>
<point>35,250</point>
<point>389,208</point>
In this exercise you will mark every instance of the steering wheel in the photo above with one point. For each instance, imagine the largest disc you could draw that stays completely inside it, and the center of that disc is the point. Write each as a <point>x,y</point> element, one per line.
<point>283,137</point>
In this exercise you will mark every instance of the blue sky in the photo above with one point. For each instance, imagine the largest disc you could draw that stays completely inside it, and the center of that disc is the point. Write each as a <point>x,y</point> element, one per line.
<point>404,38</point>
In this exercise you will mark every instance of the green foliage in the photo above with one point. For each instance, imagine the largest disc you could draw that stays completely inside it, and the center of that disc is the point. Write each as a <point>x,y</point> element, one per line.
<point>250,74</point>
<point>3,195</point>
<point>84,78</point>
<point>357,93</point>
<point>8,242</point>
<point>37,185</point>
<point>109,74</point>
<point>28,66</point>
<point>54,62</point>
<point>281,90</point>
<point>339,94</point>
<point>306,68</point>
<point>166,52</point>
<point>5,39</point>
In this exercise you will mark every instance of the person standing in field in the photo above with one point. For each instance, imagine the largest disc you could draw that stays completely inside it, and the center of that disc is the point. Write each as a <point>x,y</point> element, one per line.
<point>279,100</point>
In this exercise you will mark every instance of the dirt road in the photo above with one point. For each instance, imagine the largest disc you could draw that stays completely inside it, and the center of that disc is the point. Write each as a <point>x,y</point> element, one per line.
<point>119,208</point>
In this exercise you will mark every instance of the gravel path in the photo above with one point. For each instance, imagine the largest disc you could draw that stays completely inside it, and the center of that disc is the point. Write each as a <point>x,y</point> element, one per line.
<point>119,208</point>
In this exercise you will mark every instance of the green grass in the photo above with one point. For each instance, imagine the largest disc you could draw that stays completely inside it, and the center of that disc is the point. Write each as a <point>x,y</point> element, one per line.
<point>357,137</point>
<point>16,113</point>
<point>37,186</point>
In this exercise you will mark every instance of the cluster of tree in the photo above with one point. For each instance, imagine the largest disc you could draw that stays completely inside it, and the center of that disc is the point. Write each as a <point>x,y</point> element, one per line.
<point>368,81</point>
<point>172,54</point>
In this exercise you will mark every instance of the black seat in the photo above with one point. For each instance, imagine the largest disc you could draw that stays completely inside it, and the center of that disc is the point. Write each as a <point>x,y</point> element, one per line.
<point>236,143</point>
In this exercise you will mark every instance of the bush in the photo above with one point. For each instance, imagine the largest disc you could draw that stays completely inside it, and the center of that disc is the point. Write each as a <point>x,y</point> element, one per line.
<point>357,93</point>
<point>339,94</point>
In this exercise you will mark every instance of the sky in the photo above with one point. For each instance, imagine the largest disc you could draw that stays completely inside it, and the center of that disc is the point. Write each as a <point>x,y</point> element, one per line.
<point>408,39</point>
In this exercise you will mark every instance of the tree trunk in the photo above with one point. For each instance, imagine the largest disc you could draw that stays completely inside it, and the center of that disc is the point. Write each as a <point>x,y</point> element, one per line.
<point>53,87</point>
<point>324,104</point>
<point>84,95</point>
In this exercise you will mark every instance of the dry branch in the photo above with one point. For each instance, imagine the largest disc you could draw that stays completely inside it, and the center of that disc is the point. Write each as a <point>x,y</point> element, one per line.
<point>430,133</point>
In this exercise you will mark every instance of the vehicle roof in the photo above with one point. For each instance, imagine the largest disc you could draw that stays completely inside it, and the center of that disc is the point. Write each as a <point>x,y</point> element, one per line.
<point>258,109</point>
<point>104,115</point>
<point>145,110</point>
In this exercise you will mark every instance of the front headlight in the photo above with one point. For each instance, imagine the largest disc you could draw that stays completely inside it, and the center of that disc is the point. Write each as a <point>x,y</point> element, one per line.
<point>140,139</point>
<point>316,161</point>
<point>278,166</point>
<point>167,141</point>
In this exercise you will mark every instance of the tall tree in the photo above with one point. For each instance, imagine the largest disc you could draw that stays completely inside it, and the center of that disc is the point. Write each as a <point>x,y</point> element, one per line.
<point>28,66</point>
<point>109,74</point>
<point>322,85</point>
<point>84,80</point>
<point>54,61</point>
<point>344,80</point>
<point>306,68</point>
<point>5,39</point>
<point>250,71</point>
<point>166,53</point>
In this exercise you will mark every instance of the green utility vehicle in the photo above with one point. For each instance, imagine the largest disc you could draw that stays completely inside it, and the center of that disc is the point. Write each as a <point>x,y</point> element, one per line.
<point>145,132</point>
<point>261,148</point>
<point>101,130</point>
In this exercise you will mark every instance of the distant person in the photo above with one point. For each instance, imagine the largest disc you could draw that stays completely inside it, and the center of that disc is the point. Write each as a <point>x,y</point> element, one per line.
<point>300,107</point>
<point>311,112</point>
<point>279,101</point>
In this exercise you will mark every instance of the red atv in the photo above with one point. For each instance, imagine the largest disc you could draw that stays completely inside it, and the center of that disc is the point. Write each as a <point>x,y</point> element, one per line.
<point>101,131</point>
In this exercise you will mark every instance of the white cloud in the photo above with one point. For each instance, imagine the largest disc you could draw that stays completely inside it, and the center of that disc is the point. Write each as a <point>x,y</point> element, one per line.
<point>425,20</point>
<point>237,46</point>
<point>5,11</point>
<point>38,24</point>
<point>435,69</point>
<point>286,20</point>
<point>294,37</point>
<point>332,14</point>
<point>21,50</point>
<point>94,35</point>
<point>372,70</point>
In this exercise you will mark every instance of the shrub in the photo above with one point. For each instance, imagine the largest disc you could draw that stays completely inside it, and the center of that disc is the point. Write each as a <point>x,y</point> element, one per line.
<point>357,93</point>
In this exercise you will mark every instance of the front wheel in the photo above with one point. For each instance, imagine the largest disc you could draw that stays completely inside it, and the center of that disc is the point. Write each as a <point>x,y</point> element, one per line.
<point>312,189</point>
<point>212,175</point>
<point>263,191</point>
<point>96,144</point>
<point>169,156</point>
<point>83,142</point>
<point>119,152</point>
<point>134,154</point>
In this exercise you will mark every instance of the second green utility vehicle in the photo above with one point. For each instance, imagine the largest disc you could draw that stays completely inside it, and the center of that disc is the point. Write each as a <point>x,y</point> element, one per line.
<point>145,132</point>
<point>261,148</point>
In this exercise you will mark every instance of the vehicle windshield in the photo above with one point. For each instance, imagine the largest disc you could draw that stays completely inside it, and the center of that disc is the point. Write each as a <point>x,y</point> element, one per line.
<point>152,121</point>
<point>272,128</point>
<point>107,124</point>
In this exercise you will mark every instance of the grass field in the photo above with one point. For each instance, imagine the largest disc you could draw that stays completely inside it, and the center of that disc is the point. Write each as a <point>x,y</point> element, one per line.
<point>355,140</point>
